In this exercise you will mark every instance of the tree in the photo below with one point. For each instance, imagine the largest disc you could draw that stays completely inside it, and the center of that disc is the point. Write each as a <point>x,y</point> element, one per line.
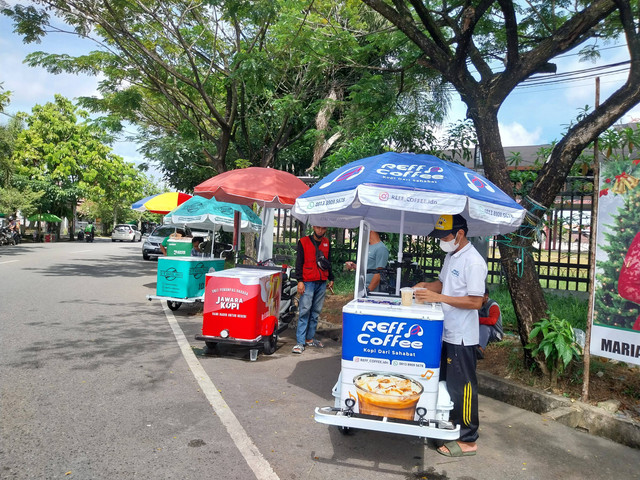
<point>505,43</point>
<point>13,199</point>
<point>269,83</point>
<point>63,155</point>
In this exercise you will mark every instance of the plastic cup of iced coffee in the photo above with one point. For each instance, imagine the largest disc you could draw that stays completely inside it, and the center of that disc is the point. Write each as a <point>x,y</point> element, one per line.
<point>406,296</point>
<point>387,395</point>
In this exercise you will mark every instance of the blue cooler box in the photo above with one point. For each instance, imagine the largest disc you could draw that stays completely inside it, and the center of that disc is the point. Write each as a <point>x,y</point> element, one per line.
<point>382,338</point>
<point>184,277</point>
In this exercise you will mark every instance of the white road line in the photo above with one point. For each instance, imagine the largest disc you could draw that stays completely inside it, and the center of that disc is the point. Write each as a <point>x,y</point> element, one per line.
<point>83,251</point>
<point>9,261</point>
<point>247,448</point>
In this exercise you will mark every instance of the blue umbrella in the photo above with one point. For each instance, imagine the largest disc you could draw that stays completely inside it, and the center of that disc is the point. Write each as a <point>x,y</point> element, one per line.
<point>406,193</point>
<point>139,205</point>
<point>209,214</point>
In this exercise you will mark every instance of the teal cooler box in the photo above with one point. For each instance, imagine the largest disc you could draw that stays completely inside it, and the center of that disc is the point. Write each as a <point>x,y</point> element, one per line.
<point>184,277</point>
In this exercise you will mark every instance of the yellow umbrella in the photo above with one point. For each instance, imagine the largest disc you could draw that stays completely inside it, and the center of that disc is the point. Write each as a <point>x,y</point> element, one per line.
<point>165,202</point>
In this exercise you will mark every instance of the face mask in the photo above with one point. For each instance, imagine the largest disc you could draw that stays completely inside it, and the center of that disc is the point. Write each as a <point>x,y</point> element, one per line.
<point>449,246</point>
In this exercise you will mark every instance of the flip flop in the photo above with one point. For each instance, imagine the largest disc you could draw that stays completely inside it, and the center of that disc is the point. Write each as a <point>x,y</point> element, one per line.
<point>454,450</point>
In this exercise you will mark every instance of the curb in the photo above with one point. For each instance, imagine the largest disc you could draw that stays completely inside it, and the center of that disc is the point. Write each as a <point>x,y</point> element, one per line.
<point>574,414</point>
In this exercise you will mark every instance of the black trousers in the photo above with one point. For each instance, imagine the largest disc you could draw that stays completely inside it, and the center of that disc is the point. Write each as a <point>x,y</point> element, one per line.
<point>458,369</point>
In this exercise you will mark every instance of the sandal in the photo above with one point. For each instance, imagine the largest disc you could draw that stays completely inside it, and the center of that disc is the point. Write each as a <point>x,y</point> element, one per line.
<point>298,348</point>
<point>453,450</point>
<point>314,343</point>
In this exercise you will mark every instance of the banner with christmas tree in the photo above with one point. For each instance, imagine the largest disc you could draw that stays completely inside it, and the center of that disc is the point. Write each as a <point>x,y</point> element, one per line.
<point>615,331</point>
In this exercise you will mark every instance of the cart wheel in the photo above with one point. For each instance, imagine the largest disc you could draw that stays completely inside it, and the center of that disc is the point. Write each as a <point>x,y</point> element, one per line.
<point>173,305</point>
<point>212,348</point>
<point>345,430</point>
<point>270,343</point>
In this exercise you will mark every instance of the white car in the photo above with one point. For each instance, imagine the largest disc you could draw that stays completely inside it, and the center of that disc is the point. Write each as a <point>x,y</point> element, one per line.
<point>126,233</point>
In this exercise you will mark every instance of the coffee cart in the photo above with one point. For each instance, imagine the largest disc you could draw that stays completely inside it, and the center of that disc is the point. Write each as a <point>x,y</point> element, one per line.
<point>390,368</point>
<point>181,279</point>
<point>242,307</point>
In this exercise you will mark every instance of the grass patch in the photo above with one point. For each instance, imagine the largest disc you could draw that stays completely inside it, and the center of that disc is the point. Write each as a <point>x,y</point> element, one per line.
<point>343,282</point>
<point>569,307</point>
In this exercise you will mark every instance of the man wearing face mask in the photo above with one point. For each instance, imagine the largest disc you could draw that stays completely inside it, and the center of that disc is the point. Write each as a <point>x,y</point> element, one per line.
<point>460,288</point>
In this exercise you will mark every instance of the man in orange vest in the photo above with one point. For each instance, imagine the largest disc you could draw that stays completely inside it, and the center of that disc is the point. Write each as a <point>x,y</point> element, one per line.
<point>313,268</point>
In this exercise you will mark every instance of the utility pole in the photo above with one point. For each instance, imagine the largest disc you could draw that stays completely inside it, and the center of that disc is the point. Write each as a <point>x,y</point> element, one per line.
<point>593,242</point>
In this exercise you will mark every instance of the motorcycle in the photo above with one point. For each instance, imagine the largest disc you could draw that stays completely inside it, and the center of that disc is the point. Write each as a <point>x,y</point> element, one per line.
<point>288,297</point>
<point>88,237</point>
<point>6,236</point>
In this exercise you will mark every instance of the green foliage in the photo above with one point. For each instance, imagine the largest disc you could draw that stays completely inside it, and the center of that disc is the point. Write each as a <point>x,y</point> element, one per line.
<point>8,137</point>
<point>557,343</point>
<point>252,82</point>
<point>62,155</point>
<point>573,308</point>
<point>5,98</point>
<point>24,200</point>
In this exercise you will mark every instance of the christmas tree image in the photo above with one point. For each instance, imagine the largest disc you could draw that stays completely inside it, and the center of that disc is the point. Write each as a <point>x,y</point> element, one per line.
<point>617,296</point>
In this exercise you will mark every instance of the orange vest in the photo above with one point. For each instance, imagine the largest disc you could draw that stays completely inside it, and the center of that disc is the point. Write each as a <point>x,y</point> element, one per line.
<point>310,270</point>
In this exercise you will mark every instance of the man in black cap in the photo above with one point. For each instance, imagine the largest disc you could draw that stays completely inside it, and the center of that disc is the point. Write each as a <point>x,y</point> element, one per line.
<point>460,288</point>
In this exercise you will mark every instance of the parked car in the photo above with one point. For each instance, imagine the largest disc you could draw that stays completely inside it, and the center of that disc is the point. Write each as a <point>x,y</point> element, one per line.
<point>151,244</point>
<point>126,233</point>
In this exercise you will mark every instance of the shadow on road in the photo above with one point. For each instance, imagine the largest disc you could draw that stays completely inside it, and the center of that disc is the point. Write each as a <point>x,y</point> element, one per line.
<point>109,266</point>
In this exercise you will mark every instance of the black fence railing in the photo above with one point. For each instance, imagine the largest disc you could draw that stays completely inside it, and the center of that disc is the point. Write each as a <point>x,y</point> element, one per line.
<point>560,251</point>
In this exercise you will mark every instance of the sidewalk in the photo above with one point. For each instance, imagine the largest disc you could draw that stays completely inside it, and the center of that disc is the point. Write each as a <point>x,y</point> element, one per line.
<point>574,414</point>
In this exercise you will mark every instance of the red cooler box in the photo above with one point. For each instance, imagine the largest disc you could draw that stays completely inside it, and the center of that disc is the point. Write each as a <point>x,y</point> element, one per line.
<point>241,305</point>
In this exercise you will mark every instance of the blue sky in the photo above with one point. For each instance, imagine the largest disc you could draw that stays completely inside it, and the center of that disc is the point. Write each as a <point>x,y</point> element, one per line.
<point>530,116</point>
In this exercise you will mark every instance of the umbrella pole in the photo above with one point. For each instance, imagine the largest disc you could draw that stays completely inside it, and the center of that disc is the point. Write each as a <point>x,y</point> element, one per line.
<point>264,216</point>
<point>399,270</point>
<point>213,240</point>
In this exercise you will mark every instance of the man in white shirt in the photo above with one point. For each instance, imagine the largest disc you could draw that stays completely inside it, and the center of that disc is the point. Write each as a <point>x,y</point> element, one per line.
<point>460,288</point>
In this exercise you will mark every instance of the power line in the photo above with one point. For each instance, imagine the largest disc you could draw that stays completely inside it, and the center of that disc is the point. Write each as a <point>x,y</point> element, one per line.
<point>572,76</point>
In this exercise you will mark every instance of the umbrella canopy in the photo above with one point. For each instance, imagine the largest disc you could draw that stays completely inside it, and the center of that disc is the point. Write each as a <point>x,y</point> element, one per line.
<point>210,214</point>
<point>165,202</point>
<point>406,193</point>
<point>44,217</point>
<point>267,186</point>
<point>139,205</point>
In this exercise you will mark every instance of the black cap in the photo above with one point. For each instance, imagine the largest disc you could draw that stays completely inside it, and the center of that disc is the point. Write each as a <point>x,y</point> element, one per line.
<point>447,224</point>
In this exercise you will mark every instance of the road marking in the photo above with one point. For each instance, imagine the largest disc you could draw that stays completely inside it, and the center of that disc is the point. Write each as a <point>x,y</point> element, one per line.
<point>82,251</point>
<point>247,448</point>
<point>8,261</point>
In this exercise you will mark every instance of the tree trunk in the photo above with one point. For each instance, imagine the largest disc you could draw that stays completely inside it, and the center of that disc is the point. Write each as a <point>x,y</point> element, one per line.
<point>517,263</point>
<point>322,123</point>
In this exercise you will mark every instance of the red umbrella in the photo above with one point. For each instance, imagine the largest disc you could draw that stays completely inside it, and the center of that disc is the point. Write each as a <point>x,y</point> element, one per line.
<point>267,186</point>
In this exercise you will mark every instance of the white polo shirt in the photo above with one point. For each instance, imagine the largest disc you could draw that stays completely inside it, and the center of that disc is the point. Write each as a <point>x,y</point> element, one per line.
<point>463,273</point>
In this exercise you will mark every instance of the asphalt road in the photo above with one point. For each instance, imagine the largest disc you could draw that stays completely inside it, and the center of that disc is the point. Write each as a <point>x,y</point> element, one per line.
<point>97,382</point>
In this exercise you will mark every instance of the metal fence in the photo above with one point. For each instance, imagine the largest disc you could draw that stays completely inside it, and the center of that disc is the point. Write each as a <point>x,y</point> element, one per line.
<point>561,249</point>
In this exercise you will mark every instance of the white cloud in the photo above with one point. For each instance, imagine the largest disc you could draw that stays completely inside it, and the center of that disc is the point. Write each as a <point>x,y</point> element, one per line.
<point>632,116</point>
<point>514,134</point>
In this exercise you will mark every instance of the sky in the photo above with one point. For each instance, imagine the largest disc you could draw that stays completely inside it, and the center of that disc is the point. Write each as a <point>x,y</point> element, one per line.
<point>531,115</point>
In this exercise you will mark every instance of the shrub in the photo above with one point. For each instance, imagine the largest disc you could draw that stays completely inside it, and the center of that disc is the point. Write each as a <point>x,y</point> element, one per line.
<point>557,344</point>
